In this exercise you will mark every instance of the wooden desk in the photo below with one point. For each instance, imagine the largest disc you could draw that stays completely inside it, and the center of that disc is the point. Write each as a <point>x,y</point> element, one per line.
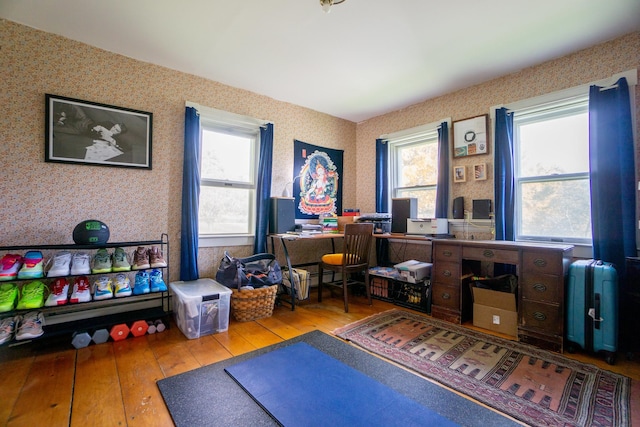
<point>541,271</point>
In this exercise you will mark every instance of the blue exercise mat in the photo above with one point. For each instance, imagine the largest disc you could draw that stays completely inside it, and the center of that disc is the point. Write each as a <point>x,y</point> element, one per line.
<point>299,385</point>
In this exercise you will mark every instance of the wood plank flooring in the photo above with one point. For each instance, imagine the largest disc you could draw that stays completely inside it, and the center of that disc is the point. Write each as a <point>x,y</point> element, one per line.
<point>114,384</point>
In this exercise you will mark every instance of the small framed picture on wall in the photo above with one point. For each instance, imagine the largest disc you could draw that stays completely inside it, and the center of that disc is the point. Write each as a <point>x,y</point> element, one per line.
<point>480,172</point>
<point>459,174</point>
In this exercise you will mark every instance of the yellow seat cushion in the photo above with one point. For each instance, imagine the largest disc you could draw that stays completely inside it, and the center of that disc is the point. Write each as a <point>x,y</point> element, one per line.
<point>336,259</point>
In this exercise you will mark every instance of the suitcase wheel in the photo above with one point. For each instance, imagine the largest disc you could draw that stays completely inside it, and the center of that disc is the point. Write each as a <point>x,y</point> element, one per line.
<point>610,358</point>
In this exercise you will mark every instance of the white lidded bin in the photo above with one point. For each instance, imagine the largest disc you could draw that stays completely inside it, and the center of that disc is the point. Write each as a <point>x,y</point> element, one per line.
<point>201,307</point>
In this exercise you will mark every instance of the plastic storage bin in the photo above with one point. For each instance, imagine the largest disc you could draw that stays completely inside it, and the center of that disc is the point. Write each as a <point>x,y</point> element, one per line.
<point>201,307</point>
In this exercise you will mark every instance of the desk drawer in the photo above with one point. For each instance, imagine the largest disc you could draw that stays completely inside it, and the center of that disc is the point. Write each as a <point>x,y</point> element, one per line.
<point>546,262</point>
<point>444,252</point>
<point>493,255</point>
<point>446,272</point>
<point>546,318</point>
<point>542,287</point>
<point>446,296</point>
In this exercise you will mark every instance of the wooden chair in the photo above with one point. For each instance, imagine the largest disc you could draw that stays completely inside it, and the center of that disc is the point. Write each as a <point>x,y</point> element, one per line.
<point>354,258</point>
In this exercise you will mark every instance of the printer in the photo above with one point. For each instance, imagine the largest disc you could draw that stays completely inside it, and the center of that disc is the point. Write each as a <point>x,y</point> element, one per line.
<point>381,221</point>
<point>427,226</point>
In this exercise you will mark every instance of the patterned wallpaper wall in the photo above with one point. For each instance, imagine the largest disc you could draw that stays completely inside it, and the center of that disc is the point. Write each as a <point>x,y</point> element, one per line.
<point>595,63</point>
<point>42,202</point>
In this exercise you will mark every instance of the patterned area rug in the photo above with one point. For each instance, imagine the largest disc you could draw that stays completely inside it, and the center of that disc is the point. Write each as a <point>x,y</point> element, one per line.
<point>535,386</point>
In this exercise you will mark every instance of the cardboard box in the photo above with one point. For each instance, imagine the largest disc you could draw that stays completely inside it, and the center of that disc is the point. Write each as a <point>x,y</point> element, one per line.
<point>495,311</point>
<point>201,307</point>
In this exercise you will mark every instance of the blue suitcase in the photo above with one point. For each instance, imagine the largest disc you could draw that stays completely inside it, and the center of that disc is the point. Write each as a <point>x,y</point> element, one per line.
<point>592,308</point>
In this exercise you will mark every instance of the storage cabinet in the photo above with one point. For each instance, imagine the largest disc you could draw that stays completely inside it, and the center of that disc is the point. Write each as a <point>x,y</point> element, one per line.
<point>66,319</point>
<point>541,271</point>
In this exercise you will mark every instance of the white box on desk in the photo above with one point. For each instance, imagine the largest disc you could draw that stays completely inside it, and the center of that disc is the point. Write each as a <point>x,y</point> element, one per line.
<point>423,226</point>
<point>201,307</point>
<point>414,271</point>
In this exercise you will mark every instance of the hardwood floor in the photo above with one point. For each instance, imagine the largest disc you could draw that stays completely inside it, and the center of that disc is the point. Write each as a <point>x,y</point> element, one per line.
<point>114,384</point>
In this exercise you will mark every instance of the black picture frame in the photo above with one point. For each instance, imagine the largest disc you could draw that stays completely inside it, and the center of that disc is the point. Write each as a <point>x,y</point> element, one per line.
<point>91,133</point>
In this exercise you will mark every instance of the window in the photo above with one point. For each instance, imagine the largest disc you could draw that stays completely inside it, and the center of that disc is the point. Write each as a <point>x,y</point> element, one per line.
<point>551,144</point>
<point>413,159</point>
<point>228,171</point>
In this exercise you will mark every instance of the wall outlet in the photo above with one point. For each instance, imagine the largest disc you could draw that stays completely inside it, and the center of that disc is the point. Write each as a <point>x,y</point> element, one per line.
<point>496,319</point>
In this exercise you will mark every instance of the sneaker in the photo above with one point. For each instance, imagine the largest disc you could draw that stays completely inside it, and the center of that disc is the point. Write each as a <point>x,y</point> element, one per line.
<point>141,285</point>
<point>30,326</point>
<point>59,292</point>
<point>8,296</point>
<point>120,261</point>
<point>31,295</point>
<point>141,259</point>
<point>7,328</point>
<point>122,286</point>
<point>101,262</point>
<point>156,282</point>
<point>60,264</point>
<point>9,266</point>
<point>103,288</point>
<point>33,267</point>
<point>81,290</point>
<point>155,258</point>
<point>80,264</point>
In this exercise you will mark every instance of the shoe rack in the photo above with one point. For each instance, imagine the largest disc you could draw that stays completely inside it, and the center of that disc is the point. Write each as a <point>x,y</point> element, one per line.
<point>63,320</point>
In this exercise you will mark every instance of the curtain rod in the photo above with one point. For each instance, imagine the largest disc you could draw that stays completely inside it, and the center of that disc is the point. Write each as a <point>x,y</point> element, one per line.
<point>233,117</point>
<point>422,128</point>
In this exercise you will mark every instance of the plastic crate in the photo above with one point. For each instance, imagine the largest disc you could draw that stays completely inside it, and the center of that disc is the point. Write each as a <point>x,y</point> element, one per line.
<point>381,288</point>
<point>201,307</point>
<point>413,295</point>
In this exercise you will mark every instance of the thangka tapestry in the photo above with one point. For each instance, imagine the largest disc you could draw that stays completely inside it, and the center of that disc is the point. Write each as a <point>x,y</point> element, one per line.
<point>318,190</point>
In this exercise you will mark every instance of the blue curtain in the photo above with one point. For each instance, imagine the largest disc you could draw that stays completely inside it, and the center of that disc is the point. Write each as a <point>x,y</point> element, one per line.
<point>442,191</point>
<point>504,184</point>
<point>190,196</point>
<point>263,188</point>
<point>382,176</point>
<point>612,174</point>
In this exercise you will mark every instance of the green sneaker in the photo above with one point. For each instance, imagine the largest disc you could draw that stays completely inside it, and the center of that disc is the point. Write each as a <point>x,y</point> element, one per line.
<point>8,296</point>
<point>101,262</point>
<point>120,261</point>
<point>32,295</point>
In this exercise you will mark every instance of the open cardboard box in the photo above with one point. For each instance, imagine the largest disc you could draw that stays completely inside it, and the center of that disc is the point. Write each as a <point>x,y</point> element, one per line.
<point>495,311</point>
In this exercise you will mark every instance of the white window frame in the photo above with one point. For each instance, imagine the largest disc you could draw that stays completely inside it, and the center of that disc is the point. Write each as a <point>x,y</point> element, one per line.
<point>225,122</point>
<point>427,133</point>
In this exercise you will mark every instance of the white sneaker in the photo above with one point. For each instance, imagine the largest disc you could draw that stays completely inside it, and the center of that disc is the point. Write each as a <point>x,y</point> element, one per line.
<point>122,286</point>
<point>80,264</point>
<point>30,326</point>
<point>8,328</point>
<point>60,264</point>
<point>103,288</point>
<point>81,290</point>
<point>59,292</point>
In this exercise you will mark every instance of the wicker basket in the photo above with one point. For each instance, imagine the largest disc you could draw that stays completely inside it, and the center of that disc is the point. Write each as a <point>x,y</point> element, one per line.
<point>253,304</point>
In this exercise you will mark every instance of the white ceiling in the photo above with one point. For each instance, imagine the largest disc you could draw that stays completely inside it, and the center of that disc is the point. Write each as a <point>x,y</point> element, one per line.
<point>363,59</point>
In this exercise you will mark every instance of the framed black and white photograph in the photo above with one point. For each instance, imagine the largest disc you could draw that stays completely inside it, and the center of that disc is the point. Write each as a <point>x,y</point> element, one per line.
<point>90,133</point>
<point>459,174</point>
<point>470,136</point>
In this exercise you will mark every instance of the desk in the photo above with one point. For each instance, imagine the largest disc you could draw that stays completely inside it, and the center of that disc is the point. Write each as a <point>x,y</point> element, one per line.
<point>314,239</point>
<point>541,271</point>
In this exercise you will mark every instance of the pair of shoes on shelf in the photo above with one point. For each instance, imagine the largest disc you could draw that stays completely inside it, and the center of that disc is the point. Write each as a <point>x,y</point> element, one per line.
<point>8,297</point>
<point>9,266</point>
<point>31,295</point>
<point>144,258</point>
<point>22,327</point>
<point>103,262</point>
<point>149,282</point>
<point>64,263</point>
<point>60,291</point>
<point>105,287</point>
<point>33,266</point>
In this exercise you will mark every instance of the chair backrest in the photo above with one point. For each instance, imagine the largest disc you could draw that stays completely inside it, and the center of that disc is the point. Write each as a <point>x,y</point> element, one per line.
<point>357,243</point>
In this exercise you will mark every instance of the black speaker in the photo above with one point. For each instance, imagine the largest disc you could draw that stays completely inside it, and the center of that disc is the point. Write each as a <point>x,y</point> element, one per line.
<point>401,210</point>
<point>481,209</point>
<point>458,208</point>
<point>282,215</point>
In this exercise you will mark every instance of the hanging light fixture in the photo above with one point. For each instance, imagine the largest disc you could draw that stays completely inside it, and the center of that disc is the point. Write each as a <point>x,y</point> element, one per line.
<point>326,4</point>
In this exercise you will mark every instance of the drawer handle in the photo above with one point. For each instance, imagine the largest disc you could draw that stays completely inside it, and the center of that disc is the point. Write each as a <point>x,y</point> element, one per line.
<point>446,295</point>
<point>446,273</point>
<point>447,253</point>
<point>539,316</point>
<point>539,262</point>
<point>488,253</point>
<point>540,287</point>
